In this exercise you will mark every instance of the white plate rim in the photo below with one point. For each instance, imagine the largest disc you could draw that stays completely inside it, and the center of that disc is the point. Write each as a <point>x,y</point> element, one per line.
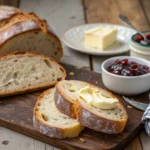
<point>101,53</point>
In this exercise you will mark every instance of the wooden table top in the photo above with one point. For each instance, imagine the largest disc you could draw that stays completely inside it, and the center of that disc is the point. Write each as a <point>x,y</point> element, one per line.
<point>64,14</point>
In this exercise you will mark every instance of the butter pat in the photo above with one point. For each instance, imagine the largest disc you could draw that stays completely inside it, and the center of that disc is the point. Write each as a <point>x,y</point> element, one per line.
<point>95,98</point>
<point>100,38</point>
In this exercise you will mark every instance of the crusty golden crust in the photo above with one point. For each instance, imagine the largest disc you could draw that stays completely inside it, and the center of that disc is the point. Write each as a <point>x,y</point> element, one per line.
<point>44,86</point>
<point>86,117</point>
<point>17,28</point>
<point>14,22</point>
<point>97,122</point>
<point>63,105</point>
<point>7,12</point>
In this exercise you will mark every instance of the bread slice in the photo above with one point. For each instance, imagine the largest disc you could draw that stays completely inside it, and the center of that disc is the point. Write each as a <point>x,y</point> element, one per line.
<point>50,121</point>
<point>25,71</point>
<point>68,101</point>
<point>27,32</point>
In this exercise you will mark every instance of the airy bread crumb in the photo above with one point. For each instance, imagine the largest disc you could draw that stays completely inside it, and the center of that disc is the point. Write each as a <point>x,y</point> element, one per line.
<point>26,71</point>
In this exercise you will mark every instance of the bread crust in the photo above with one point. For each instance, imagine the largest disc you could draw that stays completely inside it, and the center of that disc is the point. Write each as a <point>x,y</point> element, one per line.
<point>7,12</point>
<point>23,23</point>
<point>52,131</point>
<point>86,117</point>
<point>44,86</point>
<point>99,123</point>
<point>17,28</point>
<point>62,104</point>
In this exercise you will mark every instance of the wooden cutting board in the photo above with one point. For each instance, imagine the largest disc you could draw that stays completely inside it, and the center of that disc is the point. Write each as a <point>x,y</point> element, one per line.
<point>16,114</point>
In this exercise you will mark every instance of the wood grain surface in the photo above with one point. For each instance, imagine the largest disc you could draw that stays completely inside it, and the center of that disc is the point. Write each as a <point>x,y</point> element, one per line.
<point>108,11</point>
<point>16,114</point>
<point>14,3</point>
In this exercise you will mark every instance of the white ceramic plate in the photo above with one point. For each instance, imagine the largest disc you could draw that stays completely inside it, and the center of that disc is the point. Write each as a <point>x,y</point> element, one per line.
<point>74,38</point>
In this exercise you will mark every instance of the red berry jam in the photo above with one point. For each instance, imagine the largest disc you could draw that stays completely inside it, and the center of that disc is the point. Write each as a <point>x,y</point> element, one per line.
<point>128,68</point>
<point>140,39</point>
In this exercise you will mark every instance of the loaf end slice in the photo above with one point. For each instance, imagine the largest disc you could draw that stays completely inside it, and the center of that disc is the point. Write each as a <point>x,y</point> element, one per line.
<point>50,121</point>
<point>68,101</point>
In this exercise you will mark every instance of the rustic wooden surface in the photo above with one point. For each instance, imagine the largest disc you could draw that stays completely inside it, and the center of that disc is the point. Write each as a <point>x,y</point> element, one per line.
<point>16,113</point>
<point>63,14</point>
<point>14,3</point>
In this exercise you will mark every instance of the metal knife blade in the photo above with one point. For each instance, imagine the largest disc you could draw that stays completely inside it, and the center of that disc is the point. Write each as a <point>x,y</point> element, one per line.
<point>136,104</point>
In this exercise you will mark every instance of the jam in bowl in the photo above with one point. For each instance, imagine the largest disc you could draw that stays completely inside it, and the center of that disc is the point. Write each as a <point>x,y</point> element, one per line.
<point>126,75</point>
<point>140,39</point>
<point>126,67</point>
<point>138,47</point>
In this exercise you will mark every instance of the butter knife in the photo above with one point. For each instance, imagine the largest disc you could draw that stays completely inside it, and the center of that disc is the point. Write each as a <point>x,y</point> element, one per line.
<point>136,104</point>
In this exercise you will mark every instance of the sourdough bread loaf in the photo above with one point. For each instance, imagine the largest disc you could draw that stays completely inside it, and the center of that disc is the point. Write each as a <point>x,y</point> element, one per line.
<point>50,121</point>
<point>68,101</point>
<point>27,32</point>
<point>25,72</point>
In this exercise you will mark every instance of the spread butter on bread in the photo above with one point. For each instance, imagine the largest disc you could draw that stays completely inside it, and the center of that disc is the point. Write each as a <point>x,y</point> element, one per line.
<point>69,102</point>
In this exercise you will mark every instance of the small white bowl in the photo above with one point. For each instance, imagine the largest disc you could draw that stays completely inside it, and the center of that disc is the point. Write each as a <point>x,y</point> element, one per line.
<point>125,85</point>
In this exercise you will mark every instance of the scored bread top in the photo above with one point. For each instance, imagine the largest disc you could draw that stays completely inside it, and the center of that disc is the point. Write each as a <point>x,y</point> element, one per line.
<point>16,29</point>
<point>28,71</point>
<point>16,22</point>
<point>8,11</point>
<point>69,90</point>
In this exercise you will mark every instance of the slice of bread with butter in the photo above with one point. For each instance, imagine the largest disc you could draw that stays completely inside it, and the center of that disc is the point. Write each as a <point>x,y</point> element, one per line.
<point>92,106</point>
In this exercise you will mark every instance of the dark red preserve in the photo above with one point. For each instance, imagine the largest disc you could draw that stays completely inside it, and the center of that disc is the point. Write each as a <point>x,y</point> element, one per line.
<point>140,39</point>
<point>128,68</point>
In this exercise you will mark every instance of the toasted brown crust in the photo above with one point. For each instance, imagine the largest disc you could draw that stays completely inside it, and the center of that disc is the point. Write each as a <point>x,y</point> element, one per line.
<point>87,118</point>
<point>44,86</point>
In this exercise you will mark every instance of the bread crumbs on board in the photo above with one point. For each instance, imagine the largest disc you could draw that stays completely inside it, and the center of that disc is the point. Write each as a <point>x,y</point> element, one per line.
<point>129,106</point>
<point>82,140</point>
<point>71,73</point>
